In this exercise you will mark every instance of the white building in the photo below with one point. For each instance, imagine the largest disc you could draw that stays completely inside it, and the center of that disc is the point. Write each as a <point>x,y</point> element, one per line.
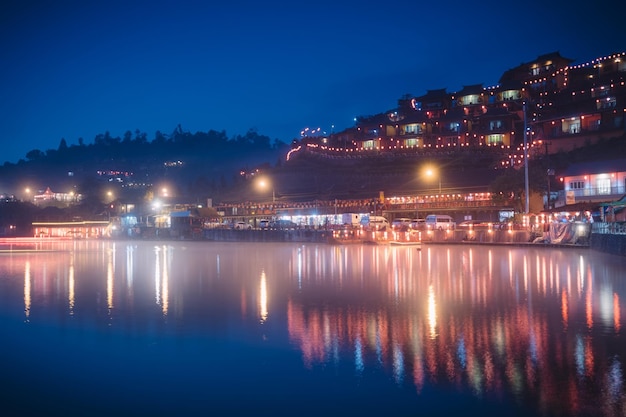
<point>598,181</point>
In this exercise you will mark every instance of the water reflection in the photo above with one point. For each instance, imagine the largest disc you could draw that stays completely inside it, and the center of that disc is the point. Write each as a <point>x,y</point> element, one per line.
<point>263,297</point>
<point>162,269</point>
<point>71,283</point>
<point>110,277</point>
<point>27,296</point>
<point>528,326</point>
<point>477,318</point>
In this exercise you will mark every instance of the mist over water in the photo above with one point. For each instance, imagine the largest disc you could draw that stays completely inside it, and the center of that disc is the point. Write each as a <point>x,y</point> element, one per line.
<point>120,328</point>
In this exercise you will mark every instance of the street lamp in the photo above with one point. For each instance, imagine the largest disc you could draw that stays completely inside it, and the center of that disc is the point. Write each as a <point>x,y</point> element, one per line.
<point>431,173</point>
<point>265,184</point>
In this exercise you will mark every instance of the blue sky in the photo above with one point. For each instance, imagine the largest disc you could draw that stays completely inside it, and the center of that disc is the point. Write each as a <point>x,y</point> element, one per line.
<point>75,69</point>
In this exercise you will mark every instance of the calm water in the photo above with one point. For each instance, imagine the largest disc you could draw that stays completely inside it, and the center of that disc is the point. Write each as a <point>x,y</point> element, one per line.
<point>202,328</point>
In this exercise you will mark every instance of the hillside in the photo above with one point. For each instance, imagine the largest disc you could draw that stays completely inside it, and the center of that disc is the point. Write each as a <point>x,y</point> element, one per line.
<point>209,165</point>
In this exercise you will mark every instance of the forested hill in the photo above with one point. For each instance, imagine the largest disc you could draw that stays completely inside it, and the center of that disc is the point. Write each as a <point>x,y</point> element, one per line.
<point>208,158</point>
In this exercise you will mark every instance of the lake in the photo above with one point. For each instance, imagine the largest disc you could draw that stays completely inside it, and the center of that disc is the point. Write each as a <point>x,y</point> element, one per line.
<point>114,328</point>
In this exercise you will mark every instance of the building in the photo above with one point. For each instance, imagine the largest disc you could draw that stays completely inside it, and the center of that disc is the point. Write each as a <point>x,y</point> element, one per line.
<point>50,197</point>
<point>561,105</point>
<point>593,182</point>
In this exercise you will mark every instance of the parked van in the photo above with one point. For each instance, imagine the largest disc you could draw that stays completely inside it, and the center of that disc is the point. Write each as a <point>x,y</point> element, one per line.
<point>440,222</point>
<point>418,224</point>
<point>376,223</point>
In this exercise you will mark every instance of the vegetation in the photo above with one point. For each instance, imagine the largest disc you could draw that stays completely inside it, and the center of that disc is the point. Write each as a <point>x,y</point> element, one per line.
<point>202,163</point>
<point>511,185</point>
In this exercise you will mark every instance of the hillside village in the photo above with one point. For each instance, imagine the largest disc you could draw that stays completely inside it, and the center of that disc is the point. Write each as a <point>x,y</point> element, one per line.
<point>572,113</point>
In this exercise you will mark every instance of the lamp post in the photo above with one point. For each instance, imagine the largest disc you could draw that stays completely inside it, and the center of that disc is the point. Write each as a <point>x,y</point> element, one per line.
<point>109,203</point>
<point>431,173</point>
<point>264,184</point>
<point>526,186</point>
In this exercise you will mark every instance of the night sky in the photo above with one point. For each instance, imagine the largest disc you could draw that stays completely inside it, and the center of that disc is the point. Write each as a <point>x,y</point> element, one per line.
<point>72,69</point>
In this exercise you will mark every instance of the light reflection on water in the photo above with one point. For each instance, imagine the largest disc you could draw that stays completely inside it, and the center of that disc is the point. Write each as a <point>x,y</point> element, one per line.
<point>529,330</point>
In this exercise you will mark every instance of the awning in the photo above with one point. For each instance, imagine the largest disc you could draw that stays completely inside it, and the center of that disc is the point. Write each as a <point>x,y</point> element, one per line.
<point>582,206</point>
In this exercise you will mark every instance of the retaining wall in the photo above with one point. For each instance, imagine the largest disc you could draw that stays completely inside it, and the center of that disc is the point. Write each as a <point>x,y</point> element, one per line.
<point>300,235</point>
<point>609,243</point>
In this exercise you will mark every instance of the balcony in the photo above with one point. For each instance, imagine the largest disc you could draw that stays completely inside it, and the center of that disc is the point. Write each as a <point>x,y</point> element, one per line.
<point>590,195</point>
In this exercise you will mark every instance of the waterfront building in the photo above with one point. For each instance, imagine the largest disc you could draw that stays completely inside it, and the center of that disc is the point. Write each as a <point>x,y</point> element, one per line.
<point>593,182</point>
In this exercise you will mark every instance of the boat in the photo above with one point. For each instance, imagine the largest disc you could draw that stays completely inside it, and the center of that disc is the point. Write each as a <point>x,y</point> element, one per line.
<point>406,243</point>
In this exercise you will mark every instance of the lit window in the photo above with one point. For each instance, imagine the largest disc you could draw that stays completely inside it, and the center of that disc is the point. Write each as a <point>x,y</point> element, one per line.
<point>494,139</point>
<point>604,185</point>
<point>495,124</point>
<point>606,103</point>
<point>368,144</point>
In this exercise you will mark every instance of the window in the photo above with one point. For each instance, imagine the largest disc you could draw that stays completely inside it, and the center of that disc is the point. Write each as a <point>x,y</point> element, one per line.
<point>469,99</point>
<point>511,95</point>
<point>495,124</point>
<point>454,127</point>
<point>410,143</point>
<point>571,125</point>
<point>576,185</point>
<point>412,129</point>
<point>494,139</point>
<point>604,185</point>
<point>368,144</point>
<point>606,103</point>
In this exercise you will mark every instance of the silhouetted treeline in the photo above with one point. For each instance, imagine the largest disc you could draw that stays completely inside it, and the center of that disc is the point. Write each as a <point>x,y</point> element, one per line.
<point>179,142</point>
<point>201,162</point>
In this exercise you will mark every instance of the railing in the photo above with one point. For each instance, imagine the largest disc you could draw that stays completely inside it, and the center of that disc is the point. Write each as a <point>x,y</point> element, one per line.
<point>595,191</point>
<point>413,203</point>
<point>592,194</point>
<point>609,228</point>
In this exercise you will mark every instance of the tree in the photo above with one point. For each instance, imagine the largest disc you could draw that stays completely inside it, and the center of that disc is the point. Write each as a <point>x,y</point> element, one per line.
<point>34,155</point>
<point>511,185</point>
<point>62,145</point>
<point>141,137</point>
<point>99,139</point>
<point>107,139</point>
<point>159,138</point>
